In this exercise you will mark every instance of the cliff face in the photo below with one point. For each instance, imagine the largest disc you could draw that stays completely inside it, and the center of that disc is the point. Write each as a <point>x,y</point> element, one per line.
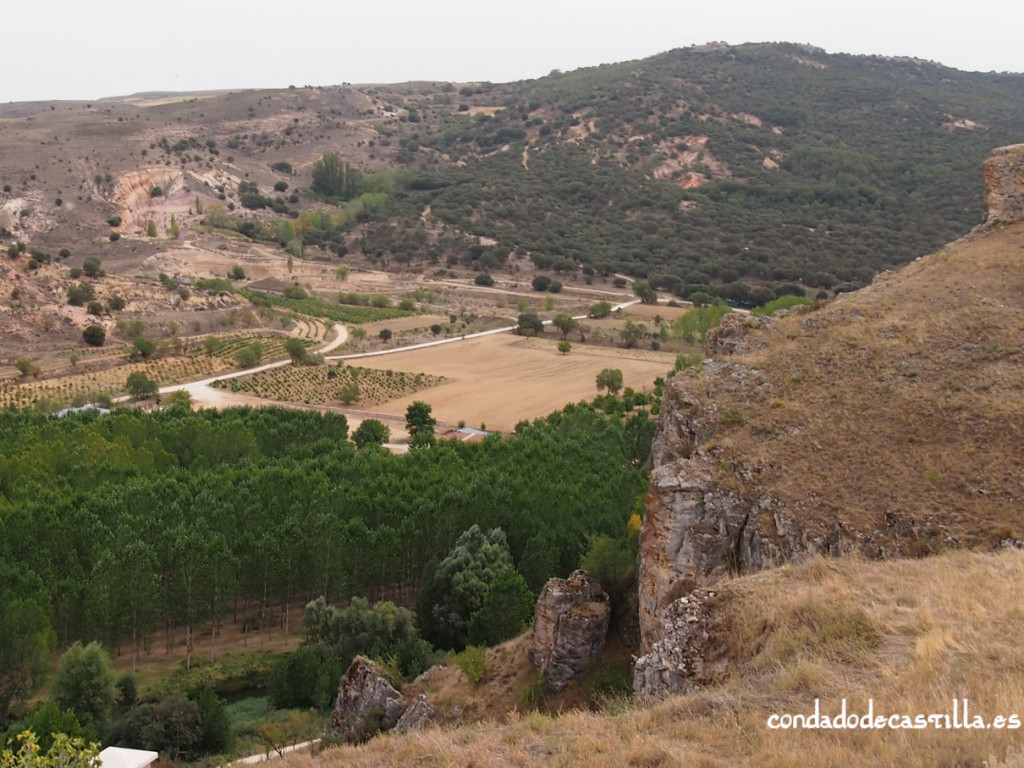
<point>886,422</point>
<point>1004,183</point>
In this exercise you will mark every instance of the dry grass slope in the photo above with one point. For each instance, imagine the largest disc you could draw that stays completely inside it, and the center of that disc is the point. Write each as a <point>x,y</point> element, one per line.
<point>911,635</point>
<point>902,398</point>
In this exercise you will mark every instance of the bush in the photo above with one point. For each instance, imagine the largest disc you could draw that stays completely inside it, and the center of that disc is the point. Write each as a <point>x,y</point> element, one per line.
<point>156,191</point>
<point>80,293</point>
<point>114,221</point>
<point>95,308</point>
<point>92,267</point>
<point>143,347</point>
<point>114,237</point>
<point>94,335</point>
<point>541,282</point>
<point>281,186</point>
<point>237,273</point>
<point>249,355</point>
<point>484,279</point>
<point>295,292</point>
<point>473,663</point>
<point>555,287</point>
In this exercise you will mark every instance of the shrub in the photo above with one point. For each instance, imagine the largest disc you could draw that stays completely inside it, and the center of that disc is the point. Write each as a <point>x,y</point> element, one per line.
<point>92,267</point>
<point>156,191</point>
<point>95,308</point>
<point>295,292</point>
<point>473,663</point>
<point>281,186</point>
<point>114,237</point>
<point>555,287</point>
<point>237,273</point>
<point>541,282</point>
<point>80,293</point>
<point>484,279</point>
<point>94,335</point>
<point>114,221</point>
<point>249,355</point>
<point>143,347</point>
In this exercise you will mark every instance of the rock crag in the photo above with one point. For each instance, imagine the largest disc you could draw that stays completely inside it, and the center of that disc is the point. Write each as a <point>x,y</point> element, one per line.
<point>1004,184</point>
<point>675,663</point>
<point>569,628</point>
<point>367,703</point>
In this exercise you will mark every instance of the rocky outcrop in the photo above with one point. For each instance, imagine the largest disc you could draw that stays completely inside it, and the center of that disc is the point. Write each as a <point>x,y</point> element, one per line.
<point>675,663</point>
<point>416,716</point>
<point>1004,182</point>
<point>367,703</point>
<point>569,628</point>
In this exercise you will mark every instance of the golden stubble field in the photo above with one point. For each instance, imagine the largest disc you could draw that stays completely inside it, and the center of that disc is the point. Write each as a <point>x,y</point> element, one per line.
<point>502,379</point>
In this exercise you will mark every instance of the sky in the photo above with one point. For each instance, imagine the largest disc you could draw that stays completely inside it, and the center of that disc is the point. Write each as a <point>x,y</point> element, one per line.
<point>87,49</point>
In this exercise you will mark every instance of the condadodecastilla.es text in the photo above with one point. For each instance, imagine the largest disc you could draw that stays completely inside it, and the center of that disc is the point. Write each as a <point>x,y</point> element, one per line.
<point>957,717</point>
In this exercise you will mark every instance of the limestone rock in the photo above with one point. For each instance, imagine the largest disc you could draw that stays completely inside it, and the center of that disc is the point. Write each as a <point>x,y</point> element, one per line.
<point>1004,182</point>
<point>416,716</point>
<point>367,704</point>
<point>674,664</point>
<point>569,628</point>
<point>734,335</point>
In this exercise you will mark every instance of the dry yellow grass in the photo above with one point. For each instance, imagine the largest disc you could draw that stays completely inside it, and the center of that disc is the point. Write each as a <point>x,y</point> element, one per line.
<point>500,380</point>
<point>911,635</point>
<point>904,398</point>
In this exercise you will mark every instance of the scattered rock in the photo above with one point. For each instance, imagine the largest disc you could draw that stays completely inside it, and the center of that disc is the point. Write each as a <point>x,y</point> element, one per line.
<point>416,716</point>
<point>569,628</point>
<point>367,703</point>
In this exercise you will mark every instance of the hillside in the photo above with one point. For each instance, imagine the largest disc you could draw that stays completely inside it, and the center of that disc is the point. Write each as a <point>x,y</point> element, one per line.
<point>886,423</point>
<point>911,635</point>
<point>721,168</point>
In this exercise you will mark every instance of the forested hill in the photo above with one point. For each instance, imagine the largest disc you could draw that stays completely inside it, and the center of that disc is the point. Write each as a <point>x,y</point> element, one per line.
<point>756,162</point>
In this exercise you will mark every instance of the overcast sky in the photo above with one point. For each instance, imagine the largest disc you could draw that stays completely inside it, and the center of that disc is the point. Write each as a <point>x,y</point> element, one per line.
<point>85,49</point>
